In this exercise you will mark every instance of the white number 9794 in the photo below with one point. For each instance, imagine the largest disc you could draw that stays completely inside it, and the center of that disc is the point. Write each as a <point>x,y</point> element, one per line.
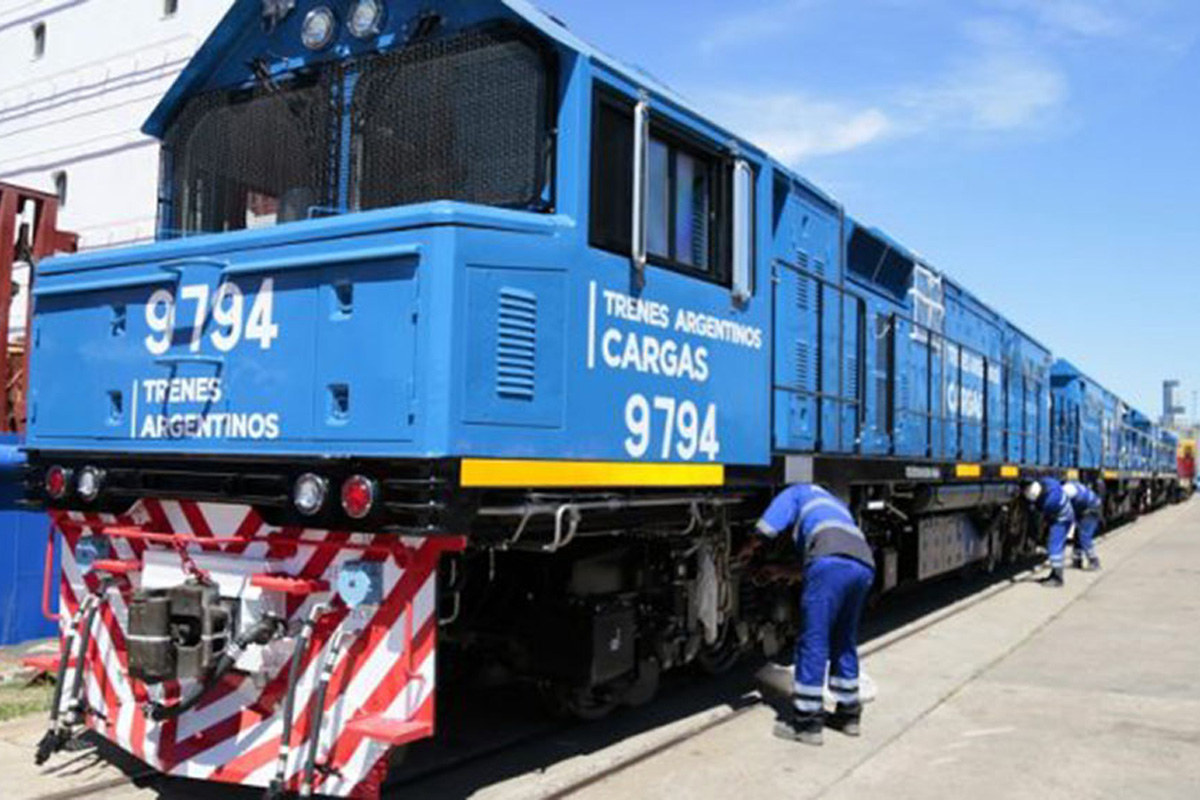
<point>228,310</point>
<point>683,433</point>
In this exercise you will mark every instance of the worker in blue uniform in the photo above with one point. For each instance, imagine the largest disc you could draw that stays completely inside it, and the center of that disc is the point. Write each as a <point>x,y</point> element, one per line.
<point>839,569</point>
<point>1088,508</point>
<point>1050,499</point>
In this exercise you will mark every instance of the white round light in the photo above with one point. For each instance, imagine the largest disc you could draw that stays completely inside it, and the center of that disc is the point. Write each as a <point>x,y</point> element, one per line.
<point>89,484</point>
<point>366,18</point>
<point>310,493</point>
<point>319,28</point>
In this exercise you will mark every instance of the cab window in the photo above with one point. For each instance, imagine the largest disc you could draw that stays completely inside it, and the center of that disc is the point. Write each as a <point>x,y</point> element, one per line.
<point>688,205</point>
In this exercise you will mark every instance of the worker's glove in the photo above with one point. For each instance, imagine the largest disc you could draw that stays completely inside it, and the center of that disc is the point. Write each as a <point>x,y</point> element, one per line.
<point>779,573</point>
<point>746,554</point>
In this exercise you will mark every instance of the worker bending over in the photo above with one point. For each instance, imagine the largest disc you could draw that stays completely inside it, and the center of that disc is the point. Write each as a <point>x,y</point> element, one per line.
<point>1050,499</point>
<point>1088,508</point>
<point>839,570</point>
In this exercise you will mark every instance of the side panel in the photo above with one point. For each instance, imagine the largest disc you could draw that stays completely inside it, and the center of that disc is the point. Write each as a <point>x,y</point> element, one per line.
<point>916,374</point>
<point>285,349</point>
<point>810,376</point>
<point>796,370</point>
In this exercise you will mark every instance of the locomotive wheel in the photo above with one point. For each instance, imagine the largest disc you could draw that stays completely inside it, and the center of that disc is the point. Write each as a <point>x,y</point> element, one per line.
<point>721,656</point>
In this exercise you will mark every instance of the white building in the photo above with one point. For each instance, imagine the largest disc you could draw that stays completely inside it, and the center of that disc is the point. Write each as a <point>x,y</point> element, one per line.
<point>77,80</point>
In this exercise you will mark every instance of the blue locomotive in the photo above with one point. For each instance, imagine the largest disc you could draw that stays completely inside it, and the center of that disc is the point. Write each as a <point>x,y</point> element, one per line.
<point>459,332</point>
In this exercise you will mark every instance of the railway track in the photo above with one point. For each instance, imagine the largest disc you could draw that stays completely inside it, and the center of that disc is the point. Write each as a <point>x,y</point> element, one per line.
<point>414,782</point>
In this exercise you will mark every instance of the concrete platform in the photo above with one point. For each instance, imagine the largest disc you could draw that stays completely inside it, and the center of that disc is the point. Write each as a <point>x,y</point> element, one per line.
<point>1087,692</point>
<point>1013,692</point>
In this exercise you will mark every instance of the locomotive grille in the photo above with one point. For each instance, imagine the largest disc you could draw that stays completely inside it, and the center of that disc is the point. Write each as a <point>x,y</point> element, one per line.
<point>803,365</point>
<point>802,295</point>
<point>516,345</point>
<point>251,157</point>
<point>464,118</point>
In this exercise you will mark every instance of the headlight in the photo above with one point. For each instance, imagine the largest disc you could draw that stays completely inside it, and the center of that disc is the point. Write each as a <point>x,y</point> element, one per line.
<point>366,18</point>
<point>319,27</point>
<point>309,494</point>
<point>91,481</point>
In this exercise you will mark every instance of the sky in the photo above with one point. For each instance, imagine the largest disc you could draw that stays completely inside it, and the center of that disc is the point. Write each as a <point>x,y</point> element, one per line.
<point>1044,153</point>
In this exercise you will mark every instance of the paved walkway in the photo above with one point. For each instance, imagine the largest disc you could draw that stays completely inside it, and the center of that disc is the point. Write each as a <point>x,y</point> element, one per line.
<point>1088,692</point>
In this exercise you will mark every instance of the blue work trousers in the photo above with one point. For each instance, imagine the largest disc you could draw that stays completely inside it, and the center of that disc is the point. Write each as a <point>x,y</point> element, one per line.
<point>1085,538</point>
<point>1060,530</point>
<point>831,605</point>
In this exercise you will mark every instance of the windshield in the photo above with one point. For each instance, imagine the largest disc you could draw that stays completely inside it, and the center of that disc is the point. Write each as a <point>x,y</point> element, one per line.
<point>251,158</point>
<point>465,117</point>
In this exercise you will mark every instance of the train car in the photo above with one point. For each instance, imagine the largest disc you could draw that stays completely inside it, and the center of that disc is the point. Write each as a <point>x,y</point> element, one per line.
<point>463,343</point>
<point>1083,412</point>
<point>1186,467</point>
<point>1089,428</point>
<point>1166,467</point>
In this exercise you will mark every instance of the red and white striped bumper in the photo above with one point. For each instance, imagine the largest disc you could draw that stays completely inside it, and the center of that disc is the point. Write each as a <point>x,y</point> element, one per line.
<point>381,692</point>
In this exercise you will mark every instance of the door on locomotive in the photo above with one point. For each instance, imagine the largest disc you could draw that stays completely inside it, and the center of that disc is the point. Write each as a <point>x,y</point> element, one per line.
<point>675,315</point>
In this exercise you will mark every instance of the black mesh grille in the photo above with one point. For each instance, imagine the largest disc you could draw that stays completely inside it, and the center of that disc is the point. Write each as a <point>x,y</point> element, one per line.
<point>252,157</point>
<point>463,118</point>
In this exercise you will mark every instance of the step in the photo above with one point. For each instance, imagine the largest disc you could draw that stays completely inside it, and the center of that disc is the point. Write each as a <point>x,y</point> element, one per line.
<point>288,584</point>
<point>392,731</point>
<point>116,567</point>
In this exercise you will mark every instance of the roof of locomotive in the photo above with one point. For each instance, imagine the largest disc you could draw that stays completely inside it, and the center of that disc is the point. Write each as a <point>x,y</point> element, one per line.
<point>224,59</point>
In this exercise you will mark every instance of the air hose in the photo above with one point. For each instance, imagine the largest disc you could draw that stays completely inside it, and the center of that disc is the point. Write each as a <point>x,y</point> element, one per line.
<point>276,789</point>
<point>314,740</point>
<point>56,737</point>
<point>262,632</point>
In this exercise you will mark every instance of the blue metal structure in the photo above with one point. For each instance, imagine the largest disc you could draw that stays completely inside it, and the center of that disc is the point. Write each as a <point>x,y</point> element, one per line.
<point>22,545</point>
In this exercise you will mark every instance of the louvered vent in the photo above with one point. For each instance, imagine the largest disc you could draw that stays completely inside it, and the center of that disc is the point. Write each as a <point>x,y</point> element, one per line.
<point>819,268</point>
<point>516,344</point>
<point>802,260</point>
<point>851,388</point>
<point>802,293</point>
<point>803,365</point>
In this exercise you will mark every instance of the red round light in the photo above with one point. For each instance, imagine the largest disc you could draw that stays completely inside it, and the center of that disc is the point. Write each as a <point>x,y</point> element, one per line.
<point>358,496</point>
<point>57,481</point>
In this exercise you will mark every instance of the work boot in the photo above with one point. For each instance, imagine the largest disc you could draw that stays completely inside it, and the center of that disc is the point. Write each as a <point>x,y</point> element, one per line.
<point>847,719</point>
<point>1054,580</point>
<point>804,728</point>
<point>1094,564</point>
<point>1077,561</point>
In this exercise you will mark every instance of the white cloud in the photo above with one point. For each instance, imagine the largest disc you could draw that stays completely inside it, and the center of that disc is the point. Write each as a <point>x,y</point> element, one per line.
<point>994,90</point>
<point>1001,87</point>
<point>1084,18</point>
<point>792,127</point>
<point>1003,73</point>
